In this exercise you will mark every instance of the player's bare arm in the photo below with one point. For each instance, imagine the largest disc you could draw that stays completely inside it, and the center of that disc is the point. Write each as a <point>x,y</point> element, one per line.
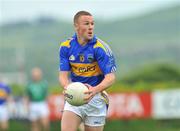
<point>63,78</point>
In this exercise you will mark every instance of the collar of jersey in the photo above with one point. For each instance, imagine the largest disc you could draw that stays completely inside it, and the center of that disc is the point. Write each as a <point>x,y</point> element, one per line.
<point>92,41</point>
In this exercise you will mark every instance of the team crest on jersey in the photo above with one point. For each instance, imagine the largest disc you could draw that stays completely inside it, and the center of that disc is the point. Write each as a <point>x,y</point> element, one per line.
<point>72,58</point>
<point>90,57</point>
<point>81,57</point>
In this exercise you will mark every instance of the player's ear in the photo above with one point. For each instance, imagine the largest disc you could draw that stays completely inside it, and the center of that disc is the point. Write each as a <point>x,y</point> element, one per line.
<point>75,26</point>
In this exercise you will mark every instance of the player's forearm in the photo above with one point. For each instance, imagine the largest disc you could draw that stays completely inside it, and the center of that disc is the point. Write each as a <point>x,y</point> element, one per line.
<point>106,83</point>
<point>63,79</point>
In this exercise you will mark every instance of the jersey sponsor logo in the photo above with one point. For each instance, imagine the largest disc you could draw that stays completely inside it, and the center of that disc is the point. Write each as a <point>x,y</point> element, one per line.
<point>86,70</point>
<point>72,58</point>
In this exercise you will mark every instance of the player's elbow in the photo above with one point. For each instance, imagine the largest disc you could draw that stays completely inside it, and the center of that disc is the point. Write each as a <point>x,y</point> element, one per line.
<point>60,79</point>
<point>113,78</point>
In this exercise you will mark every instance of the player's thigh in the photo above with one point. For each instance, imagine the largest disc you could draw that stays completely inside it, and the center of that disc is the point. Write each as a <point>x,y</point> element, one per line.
<point>94,123</point>
<point>4,125</point>
<point>70,121</point>
<point>95,128</point>
<point>44,114</point>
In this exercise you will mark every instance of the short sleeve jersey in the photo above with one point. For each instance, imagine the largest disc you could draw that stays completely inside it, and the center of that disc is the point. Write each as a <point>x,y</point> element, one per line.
<point>37,91</point>
<point>4,92</point>
<point>88,63</point>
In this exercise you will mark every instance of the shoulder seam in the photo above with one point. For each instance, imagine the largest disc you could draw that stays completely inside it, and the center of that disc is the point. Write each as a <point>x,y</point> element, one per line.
<point>99,44</point>
<point>107,49</point>
<point>66,43</point>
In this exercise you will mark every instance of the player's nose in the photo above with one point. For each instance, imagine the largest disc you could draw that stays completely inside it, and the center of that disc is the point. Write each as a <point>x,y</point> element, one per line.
<point>91,26</point>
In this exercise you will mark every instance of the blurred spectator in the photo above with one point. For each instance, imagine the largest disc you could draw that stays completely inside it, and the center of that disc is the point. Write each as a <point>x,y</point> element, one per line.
<point>4,98</point>
<point>36,96</point>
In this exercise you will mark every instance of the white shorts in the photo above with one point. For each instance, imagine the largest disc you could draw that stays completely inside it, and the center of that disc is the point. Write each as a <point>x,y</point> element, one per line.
<point>4,113</point>
<point>92,114</point>
<point>38,110</point>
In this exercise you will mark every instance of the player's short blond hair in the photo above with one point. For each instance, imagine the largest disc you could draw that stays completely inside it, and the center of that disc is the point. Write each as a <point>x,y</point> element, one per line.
<point>80,13</point>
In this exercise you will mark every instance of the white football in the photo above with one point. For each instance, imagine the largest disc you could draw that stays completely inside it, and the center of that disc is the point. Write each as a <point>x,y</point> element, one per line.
<point>74,93</point>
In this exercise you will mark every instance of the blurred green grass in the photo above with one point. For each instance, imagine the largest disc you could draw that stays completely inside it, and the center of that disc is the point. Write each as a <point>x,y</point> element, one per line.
<point>113,125</point>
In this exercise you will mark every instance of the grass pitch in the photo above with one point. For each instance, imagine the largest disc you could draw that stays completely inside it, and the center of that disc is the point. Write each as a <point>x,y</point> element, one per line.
<point>113,125</point>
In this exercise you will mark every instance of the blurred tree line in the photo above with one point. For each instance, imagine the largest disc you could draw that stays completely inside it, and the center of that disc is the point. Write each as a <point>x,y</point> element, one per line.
<point>149,78</point>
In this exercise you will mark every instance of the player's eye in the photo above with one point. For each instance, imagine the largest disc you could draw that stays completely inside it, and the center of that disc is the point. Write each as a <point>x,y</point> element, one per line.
<point>87,23</point>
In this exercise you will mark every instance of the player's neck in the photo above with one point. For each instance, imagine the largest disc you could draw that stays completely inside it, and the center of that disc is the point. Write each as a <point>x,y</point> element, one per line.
<point>82,41</point>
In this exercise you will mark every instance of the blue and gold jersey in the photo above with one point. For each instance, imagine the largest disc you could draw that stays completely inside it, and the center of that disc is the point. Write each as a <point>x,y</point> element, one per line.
<point>4,92</point>
<point>88,63</point>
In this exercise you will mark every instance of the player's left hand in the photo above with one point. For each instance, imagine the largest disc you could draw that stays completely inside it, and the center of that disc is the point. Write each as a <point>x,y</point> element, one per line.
<point>90,93</point>
<point>64,91</point>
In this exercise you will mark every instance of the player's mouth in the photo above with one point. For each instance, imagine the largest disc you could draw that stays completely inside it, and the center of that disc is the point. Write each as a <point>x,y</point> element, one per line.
<point>90,33</point>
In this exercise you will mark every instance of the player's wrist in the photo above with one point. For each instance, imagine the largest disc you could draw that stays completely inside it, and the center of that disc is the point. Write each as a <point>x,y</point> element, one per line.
<point>97,89</point>
<point>65,87</point>
<point>94,91</point>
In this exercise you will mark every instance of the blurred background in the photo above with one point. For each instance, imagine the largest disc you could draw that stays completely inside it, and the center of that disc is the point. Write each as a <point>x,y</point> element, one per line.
<point>143,34</point>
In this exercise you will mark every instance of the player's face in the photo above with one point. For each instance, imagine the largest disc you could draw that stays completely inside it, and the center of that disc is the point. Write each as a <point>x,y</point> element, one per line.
<point>36,74</point>
<point>85,27</point>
